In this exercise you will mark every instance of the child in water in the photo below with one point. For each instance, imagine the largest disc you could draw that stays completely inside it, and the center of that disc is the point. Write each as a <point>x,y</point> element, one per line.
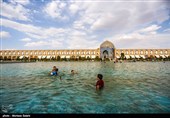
<point>73,72</point>
<point>54,70</point>
<point>100,82</point>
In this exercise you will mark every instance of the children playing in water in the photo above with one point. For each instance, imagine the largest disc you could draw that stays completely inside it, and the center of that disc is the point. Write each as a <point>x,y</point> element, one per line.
<point>54,71</point>
<point>73,72</point>
<point>100,82</point>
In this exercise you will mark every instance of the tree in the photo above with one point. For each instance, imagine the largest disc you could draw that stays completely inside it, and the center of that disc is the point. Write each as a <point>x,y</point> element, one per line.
<point>151,57</point>
<point>88,58</point>
<point>80,58</point>
<point>1,58</point>
<point>58,58</point>
<point>65,59</point>
<point>97,58</point>
<point>122,56</point>
<point>83,58</point>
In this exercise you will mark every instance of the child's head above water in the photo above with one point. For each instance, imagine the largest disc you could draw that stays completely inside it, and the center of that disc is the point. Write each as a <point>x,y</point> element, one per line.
<point>72,70</point>
<point>100,76</point>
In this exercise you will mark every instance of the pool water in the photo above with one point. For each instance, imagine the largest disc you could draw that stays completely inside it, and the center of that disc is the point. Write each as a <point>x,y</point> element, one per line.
<point>140,87</point>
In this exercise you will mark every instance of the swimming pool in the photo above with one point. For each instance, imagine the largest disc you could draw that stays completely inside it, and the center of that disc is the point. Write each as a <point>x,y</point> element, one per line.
<point>141,87</point>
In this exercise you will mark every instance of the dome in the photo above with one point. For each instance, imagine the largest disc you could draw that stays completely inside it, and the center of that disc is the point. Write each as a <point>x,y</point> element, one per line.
<point>107,44</point>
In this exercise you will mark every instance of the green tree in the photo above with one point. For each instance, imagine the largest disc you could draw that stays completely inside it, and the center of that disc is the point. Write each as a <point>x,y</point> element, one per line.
<point>58,58</point>
<point>88,58</point>
<point>80,58</point>
<point>151,57</point>
<point>122,56</point>
<point>83,58</point>
<point>65,59</point>
<point>97,58</point>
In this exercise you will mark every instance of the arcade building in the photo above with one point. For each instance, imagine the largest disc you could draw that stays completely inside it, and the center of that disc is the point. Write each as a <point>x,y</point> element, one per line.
<point>106,50</point>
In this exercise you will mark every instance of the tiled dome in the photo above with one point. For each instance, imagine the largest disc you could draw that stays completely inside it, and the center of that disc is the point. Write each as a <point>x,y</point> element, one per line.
<point>107,44</point>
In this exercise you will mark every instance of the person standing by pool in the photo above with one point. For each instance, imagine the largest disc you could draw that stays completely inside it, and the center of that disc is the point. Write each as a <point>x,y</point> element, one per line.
<point>100,82</point>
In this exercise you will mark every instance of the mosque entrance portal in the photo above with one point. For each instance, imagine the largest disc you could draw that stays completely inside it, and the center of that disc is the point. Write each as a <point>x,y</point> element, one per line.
<point>107,50</point>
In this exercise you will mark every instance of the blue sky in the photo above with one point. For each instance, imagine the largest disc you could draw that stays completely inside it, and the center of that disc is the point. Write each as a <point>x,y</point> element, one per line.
<point>78,24</point>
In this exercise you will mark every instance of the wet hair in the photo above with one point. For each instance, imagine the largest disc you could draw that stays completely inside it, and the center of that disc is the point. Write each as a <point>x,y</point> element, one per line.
<point>72,70</point>
<point>100,76</point>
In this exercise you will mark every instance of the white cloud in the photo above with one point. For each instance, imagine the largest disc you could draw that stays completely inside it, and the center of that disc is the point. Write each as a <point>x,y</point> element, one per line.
<point>35,31</point>
<point>22,2</point>
<point>26,40</point>
<point>151,29</point>
<point>141,40</point>
<point>44,44</point>
<point>5,34</point>
<point>59,36</point>
<point>73,8</point>
<point>14,11</point>
<point>54,9</point>
<point>118,17</point>
<point>167,30</point>
<point>9,49</point>
<point>36,44</point>
<point>81,40</point>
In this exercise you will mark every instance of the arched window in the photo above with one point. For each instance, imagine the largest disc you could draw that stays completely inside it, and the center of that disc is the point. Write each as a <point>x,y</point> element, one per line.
<point>13,53</point>
<point>141,52</point>
<point>127,52</point>
<point>166,52</point>
<point>9,53</point>
<point>5,53</point>
<point>151,52</point>
<point>160,52</point>
<point>146,52</point>
<point>156,52</point>
<point>136,52</point>
<point>1,53</point>
<point>31,53</point>
<point>131,52</point>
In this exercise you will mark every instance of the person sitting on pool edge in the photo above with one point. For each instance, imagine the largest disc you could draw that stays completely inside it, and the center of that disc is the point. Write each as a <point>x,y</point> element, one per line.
<point>100,82</point>
<point>73,72</point>
<point>54,70</point>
